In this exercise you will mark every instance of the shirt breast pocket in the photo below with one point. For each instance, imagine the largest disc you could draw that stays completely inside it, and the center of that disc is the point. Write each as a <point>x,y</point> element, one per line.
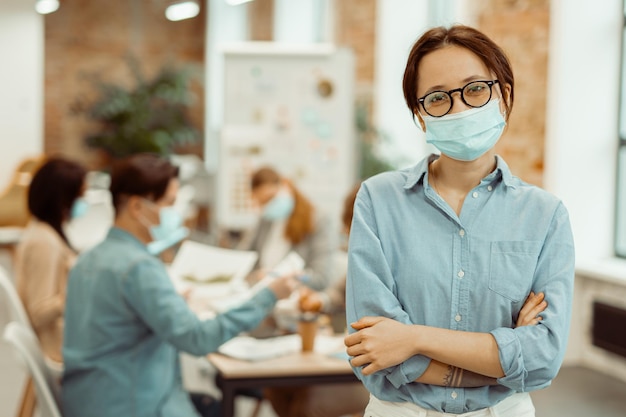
<point>512,268</point>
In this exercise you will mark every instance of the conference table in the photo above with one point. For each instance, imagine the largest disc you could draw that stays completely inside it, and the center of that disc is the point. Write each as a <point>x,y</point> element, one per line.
<point>293,369</point>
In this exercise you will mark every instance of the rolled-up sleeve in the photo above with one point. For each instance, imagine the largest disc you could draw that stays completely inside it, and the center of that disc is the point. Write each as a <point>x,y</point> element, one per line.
<point>371,291</point>
<point>531,356</point>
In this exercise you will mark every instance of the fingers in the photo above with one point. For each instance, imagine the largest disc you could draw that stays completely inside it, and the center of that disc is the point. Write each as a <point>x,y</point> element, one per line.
<point>361,359</point>
<point>352,339</point>
<point>533,306</point>
<point>365,322</point>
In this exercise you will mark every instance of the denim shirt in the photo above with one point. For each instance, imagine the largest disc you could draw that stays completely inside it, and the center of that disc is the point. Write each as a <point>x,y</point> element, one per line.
<point>124,327</point>
<point>411,258</point>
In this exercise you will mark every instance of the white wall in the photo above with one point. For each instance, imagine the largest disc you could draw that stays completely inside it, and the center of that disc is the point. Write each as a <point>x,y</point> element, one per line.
<point>398,25</point>
<point>581,155</point>
<point>225,23</point>
<point>582,108</point>
<point>21,75</point>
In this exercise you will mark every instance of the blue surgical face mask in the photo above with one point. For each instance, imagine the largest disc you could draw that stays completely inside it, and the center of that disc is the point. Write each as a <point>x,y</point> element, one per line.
<point>168,232</point>
<point>280,207</point>
<point>79,208</point>
<point>467,135</point>
<point>170,220</point>
<point>157,246</point>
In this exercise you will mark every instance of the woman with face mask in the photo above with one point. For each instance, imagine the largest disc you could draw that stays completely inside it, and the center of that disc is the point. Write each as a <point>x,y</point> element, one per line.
<point>443,255</point>
<point>289,222</point>
<point>44,255</point>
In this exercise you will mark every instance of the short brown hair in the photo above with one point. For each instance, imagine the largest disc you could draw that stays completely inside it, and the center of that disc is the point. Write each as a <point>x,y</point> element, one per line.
<point>145,175</point>
<point>466,37</point>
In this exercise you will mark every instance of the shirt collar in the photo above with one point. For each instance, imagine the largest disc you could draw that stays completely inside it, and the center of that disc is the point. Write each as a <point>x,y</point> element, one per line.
<point>121,234</point>
<point>416,173</point>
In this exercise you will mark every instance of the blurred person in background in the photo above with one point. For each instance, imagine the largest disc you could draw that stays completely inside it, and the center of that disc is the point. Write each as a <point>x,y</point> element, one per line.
<point>126,324</point>
<point>323,400</point>
<point>44,254</point>
<point>289,222</point>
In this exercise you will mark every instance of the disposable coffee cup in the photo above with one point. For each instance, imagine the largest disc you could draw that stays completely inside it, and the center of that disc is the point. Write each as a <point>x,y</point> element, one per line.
<point>307,329</point>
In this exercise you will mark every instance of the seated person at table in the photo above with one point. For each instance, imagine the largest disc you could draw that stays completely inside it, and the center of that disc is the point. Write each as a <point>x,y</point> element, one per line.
<point>125,322</point>
<point>44,255</point>
<point>289,222</point>
<point>329,400</point>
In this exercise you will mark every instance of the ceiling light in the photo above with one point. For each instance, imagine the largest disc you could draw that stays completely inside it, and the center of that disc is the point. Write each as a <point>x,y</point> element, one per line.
<point>182,10</point>
<point>237,2</point>
<point>46,6</point>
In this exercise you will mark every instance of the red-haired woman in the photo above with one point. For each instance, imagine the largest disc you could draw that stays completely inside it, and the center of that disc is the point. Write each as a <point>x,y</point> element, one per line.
<point>290,222</point>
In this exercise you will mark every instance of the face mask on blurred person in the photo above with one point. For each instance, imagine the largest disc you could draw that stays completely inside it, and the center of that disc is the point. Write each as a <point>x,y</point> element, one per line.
<point>79,208</point>
<point>467,135</point>
<point>168,232</point>
<point>170,221</point>
<point>279,207</point>
<point>157,246</point>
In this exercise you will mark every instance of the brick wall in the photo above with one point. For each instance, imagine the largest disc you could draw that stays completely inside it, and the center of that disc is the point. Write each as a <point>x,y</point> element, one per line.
<point>87,37</point>
<point>84,38</point>
<point>521,28</point>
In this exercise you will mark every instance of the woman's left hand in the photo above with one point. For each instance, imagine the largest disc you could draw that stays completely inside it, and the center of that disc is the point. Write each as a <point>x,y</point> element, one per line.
<point>379,343</point>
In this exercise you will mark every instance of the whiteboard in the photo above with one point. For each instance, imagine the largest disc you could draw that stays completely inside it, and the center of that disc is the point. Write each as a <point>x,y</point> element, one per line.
<point>291,108</point>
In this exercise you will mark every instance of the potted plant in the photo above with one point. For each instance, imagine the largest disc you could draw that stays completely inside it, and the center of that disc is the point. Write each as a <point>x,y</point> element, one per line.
<point>151,116</point>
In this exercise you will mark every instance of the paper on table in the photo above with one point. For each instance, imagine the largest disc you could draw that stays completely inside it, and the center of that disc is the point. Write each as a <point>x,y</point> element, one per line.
<point>291,264</point>
<point>251,349</point>
<point>200,263</point>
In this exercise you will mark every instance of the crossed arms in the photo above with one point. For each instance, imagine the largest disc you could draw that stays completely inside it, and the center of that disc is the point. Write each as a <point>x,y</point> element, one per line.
<point>381,342</point>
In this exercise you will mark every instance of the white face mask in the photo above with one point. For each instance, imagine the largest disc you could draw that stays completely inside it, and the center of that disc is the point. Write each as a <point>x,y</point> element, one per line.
<point>467,135</point>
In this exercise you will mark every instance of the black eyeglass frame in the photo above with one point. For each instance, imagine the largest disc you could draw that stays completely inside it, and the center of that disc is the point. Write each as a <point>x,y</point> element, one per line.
<point>490,83</point>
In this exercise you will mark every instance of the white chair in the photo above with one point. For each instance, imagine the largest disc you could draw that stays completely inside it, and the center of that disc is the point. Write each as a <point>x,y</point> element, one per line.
<point>18,314</point>
<point>13,300</point>
<point>47,386</point>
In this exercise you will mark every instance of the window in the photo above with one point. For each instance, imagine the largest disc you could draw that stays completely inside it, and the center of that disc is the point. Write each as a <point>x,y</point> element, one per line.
<point>620,209</point>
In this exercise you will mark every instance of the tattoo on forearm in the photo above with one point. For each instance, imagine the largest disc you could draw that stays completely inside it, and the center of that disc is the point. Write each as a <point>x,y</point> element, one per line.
<point>458,377</point>
<point>453,377</point>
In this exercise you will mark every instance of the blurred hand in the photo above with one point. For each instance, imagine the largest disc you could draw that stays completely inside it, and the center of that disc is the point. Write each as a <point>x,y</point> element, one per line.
<point>186,293</point>
<point>529,314</point>
<point>283,286</point>
<point>256,276</point>
<point>309,300</point>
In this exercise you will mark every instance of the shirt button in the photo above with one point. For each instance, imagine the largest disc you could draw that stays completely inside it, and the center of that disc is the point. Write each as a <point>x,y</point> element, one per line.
<point>475,194</point>
<point>489,188</point>
<point>454,395</point>
<point>457,317</point>
<point>460,274</point>
<point>462,232</point>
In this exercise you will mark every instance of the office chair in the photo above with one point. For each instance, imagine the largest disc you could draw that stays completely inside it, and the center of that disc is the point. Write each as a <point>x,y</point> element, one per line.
<point>13,198</point>
<point>18,314</point>
<point>47,386</point>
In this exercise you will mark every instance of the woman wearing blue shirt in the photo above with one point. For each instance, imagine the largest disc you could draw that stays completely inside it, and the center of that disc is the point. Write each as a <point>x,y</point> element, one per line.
<point>443,254</point>
<point>125,324</point>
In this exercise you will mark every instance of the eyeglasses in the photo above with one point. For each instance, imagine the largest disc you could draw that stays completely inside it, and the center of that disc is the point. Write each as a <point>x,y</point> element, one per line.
<point>474,94</point>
